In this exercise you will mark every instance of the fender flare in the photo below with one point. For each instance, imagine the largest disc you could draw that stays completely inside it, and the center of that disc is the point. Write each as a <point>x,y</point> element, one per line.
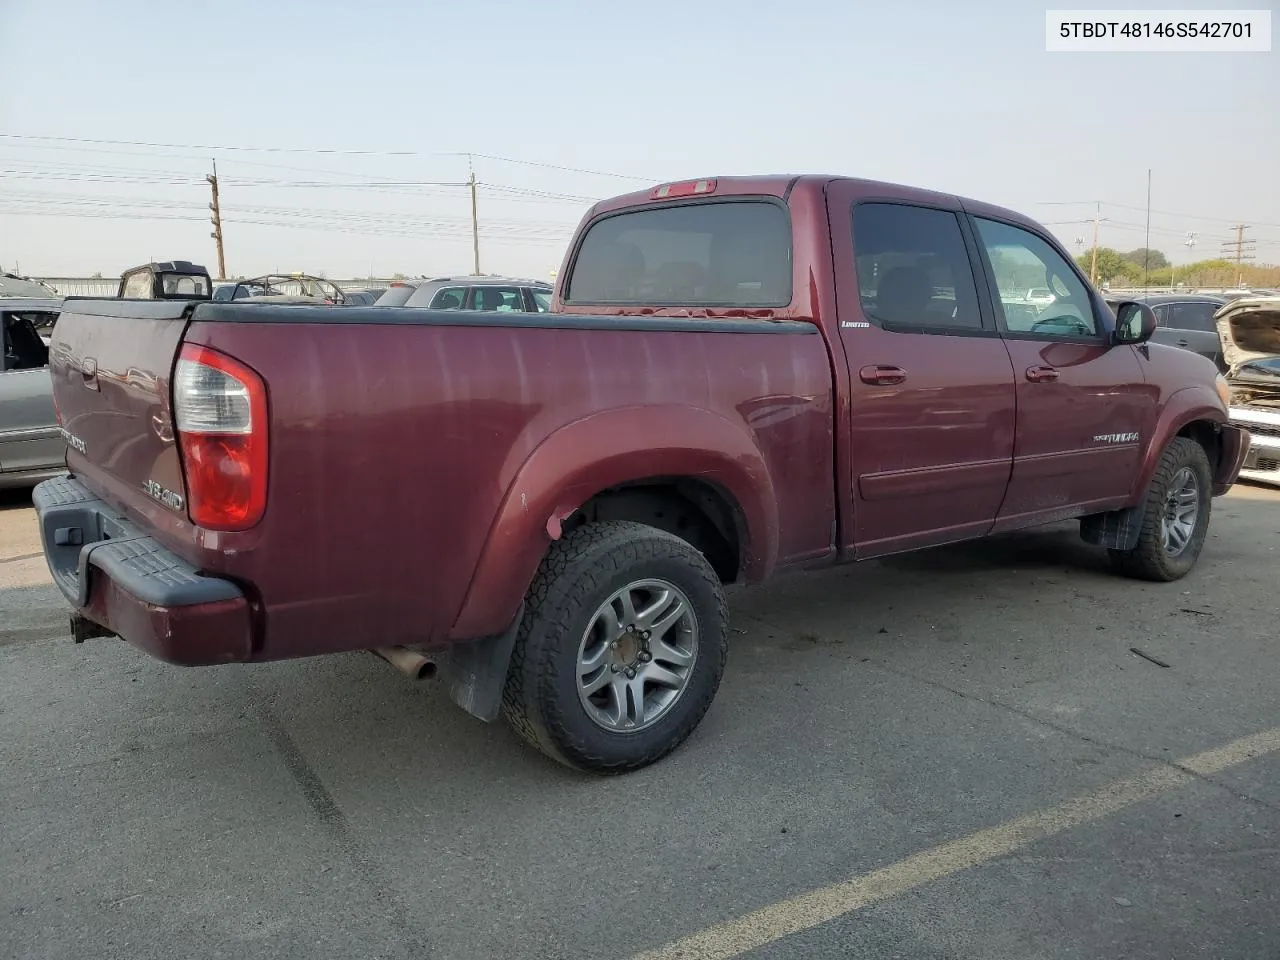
<point>1183,406</point>
<point>600,451</point>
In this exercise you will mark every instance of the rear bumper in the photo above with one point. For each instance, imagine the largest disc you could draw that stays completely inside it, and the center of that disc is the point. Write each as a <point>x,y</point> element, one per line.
<point>1235,450</point>
<point>132,586</point>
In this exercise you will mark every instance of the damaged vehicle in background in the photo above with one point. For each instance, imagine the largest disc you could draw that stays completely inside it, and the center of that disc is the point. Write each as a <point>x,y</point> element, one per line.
<point>1249,328</point>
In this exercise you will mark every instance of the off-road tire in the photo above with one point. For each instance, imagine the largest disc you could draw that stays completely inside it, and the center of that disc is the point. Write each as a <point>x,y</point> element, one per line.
<point>579,572</point>
<point>1148,560</point>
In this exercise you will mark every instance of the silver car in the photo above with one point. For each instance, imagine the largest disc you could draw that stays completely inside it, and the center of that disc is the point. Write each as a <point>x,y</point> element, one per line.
<point>31,448</point>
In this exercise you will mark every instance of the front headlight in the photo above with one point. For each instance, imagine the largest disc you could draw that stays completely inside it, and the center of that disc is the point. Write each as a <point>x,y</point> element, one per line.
<point>1224,389</point>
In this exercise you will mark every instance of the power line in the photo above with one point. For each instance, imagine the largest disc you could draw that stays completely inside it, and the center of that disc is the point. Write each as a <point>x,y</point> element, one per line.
<point>327,151</point>
<point>1129,206</point>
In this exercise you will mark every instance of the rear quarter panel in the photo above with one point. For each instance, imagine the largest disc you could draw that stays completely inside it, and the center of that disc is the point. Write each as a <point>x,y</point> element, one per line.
<point>394,446</point>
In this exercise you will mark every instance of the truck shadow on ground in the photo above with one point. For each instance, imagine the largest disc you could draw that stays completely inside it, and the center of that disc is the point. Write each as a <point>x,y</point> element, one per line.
<point>353,718</point>
<point>16,498</point>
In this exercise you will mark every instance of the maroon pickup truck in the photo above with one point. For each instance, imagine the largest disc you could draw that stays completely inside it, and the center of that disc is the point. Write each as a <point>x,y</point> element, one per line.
<point>737,377</point>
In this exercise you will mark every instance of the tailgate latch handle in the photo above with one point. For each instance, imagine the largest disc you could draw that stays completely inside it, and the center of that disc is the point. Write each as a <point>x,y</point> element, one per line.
<point>89,371</point>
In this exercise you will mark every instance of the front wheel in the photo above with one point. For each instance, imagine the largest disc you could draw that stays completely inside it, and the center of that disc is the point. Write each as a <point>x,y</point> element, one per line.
<point>1175,517</point>
<point>621,649</point>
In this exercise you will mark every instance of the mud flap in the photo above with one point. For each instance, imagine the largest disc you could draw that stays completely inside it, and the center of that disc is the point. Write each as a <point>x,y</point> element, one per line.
<point>1116,530</point>
<point>475,672</point>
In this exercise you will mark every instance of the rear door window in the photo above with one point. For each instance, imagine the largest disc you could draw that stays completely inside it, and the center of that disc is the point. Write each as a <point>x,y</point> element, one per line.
<point>448,298</point>
<point>498,299</point>
<point>914,273</point>
<point>1193,316</point>
<point>723,253</point>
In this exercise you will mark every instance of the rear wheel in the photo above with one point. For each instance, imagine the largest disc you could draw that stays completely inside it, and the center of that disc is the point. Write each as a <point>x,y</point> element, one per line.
<point>621,648</point>
<point>1175,518</point>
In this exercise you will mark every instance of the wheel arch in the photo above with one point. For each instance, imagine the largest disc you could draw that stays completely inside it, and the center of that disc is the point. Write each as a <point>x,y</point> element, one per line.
<point>611,463</point>
<point>1195,412</point>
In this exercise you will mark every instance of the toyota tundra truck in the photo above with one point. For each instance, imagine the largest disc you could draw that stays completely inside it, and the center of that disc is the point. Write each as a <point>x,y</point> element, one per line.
<point>738,376</point>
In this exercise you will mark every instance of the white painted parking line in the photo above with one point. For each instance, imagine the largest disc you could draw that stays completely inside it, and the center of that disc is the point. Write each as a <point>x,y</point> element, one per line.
<point>808,910</point>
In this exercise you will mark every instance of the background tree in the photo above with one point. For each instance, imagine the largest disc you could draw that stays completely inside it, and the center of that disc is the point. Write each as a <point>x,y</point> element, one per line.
<point>1155,259</point>
<point>1113,266</point>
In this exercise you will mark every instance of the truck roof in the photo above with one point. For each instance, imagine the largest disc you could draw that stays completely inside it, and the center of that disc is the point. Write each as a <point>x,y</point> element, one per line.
<point>783,185</point>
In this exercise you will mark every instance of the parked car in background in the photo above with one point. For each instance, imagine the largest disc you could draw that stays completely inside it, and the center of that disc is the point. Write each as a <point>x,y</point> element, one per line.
<point>363,298</point>
<point>1250,332</point>
<point>398,292</point>
<point>1040,296</point>
<point>166,280</point>
<point>283,288</point>
<point>500,294</point>
<point>31,447</point>
<point>739,376</point>
<point>12,285</point>
<point>1186,321</point>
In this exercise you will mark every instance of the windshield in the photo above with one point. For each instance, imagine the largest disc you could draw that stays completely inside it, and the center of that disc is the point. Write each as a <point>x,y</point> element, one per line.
<point>726,253</point>
<point>11,286</point>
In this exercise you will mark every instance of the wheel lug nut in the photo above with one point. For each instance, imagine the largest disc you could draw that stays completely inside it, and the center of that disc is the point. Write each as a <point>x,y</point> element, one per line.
<point>645,656</point>
<point>631,628</point>
<point>644,635</point>
<point>613,668</point>
<point>630,673</point>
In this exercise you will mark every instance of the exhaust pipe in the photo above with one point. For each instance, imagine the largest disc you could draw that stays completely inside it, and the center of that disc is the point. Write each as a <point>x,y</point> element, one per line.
<point>409,662</point>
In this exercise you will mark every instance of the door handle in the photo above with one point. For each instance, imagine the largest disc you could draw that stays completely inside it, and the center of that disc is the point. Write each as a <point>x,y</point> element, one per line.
<point>1041,374</point>
<point>881,375</point>
<point>1183,343</point>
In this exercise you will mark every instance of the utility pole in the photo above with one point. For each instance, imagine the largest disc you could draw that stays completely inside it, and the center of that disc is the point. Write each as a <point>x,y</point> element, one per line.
<point>475,222</point>
<point>1093,267</point>
<point>216,220</point>
<point>1146,243</point>
<point>1239,250</point>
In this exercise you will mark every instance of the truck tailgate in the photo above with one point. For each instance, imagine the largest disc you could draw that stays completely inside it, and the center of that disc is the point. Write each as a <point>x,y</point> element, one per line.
<point>111,363</point>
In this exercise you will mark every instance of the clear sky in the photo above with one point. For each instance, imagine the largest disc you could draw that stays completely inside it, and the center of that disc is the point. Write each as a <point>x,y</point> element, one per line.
<point>951,96</point>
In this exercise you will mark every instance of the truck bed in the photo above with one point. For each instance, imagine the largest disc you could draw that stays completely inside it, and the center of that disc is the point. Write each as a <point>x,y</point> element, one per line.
<point>396,437</point>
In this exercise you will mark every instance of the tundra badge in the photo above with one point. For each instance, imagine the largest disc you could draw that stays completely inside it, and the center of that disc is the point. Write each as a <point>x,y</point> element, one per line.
<point>160,494</point>
<point>72,441</point>
<point>1115,438</point>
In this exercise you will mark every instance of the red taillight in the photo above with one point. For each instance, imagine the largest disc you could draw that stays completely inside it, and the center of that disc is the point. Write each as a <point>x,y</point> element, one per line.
<point>688,188</point>
<point>220,416</point>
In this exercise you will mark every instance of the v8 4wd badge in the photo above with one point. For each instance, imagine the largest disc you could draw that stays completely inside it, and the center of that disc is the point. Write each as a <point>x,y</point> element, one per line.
<point>164,495</point>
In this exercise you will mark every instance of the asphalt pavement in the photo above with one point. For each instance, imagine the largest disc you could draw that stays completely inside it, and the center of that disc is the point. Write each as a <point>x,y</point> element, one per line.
<point>952,754</point>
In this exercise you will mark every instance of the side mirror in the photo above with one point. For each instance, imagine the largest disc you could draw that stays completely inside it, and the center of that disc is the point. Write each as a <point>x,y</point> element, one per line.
<point>1135,323</point>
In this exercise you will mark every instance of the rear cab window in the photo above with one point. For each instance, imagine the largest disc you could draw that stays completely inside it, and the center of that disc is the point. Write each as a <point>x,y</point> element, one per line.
<point>723,253</point>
